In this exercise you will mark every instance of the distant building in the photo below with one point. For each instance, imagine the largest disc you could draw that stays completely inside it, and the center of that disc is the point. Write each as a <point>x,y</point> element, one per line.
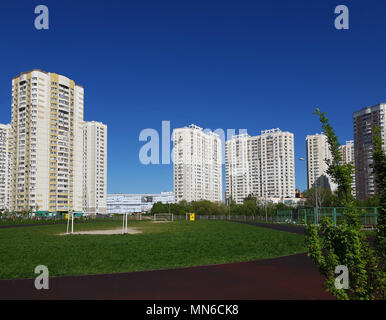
<point>287,201</point>
<point>348,156</point>
<point>197,158</point>
<point>131,203</point>
<point>260,165</point>
<point>95,168</point>
<point>317,153</point>
<point>5,166</point>
<point>364,122</point>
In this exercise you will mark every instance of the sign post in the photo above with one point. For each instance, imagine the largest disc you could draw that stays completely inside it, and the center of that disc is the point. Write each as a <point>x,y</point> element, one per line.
<point>68,221</point>
<point>72,224</point>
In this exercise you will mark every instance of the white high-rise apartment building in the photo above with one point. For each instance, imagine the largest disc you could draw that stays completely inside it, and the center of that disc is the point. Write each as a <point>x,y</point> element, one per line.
<point>317,153</point>
<point>238,168</point>
<point>348,156</point>
<point>4,166</point>
<point>364,122</point>
<point>263,166</point>
<point>95,168</point>
<point>197,157</point>
<point>47,143</point>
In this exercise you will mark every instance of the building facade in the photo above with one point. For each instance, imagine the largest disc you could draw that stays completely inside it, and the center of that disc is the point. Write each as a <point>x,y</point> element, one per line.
<point>348,156</point>
<point>47,136</point>
<point>197,157</point>
<point>238,168</point>
<point>364,122</point>
<point>4,166</point>
<point>317,153</point>
<point>134,203</point>
<point>57,162</point>
<point>95,168</point>
<point>263,165</point>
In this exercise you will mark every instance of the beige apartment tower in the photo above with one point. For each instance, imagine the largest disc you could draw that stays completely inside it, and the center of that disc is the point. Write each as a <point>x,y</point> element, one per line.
<point>95,168</point>
<point>47,143</point>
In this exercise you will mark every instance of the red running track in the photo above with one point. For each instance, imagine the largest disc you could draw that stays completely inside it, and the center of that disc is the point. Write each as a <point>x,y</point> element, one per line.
<point>290,277</point>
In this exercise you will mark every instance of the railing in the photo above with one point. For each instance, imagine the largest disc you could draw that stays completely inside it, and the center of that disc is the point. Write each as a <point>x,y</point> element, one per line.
<point>367,216</point>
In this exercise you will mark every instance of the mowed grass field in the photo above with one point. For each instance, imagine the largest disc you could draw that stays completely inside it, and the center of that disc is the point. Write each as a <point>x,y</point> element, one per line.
<point>159,246</point>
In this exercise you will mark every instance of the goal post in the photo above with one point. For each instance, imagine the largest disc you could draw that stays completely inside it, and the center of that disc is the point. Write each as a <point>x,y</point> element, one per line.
<point>163,217</point>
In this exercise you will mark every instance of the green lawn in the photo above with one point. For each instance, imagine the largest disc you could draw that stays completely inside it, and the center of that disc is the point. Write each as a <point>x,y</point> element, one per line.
<point>160,246</point>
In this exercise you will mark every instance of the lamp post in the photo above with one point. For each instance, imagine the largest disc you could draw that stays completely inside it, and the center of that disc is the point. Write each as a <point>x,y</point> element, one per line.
<point>72,222</point>
<point>229,208</point>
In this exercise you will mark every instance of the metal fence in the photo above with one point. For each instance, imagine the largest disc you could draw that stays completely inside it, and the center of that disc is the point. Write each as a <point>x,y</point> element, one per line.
<point>367,216</point>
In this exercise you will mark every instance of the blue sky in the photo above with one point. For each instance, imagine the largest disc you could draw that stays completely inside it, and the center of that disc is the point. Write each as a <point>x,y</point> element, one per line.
<point>219,64</point>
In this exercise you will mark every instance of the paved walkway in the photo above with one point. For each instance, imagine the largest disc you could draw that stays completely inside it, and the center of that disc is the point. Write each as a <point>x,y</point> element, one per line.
<point>290,277</point>
<point>280,227</point>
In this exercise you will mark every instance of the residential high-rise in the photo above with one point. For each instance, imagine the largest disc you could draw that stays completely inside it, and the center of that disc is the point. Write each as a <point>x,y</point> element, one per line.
<point>47,141</point>
<point>364,122</point>
<point>197,157</point>
<point>348,156</point>
<point>238,168</point>
<point>95,168</point>
<point>317,153</point>
<point>261,165</point>
<point>4,166</point>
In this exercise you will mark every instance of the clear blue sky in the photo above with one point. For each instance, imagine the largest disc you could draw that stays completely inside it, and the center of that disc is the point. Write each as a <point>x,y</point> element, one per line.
<point>218,64</point>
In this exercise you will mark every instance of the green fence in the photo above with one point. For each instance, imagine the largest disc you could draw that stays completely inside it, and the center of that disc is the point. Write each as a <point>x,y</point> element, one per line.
<point>367,216</point>
<point>56,214</point>
<point>284,216</point>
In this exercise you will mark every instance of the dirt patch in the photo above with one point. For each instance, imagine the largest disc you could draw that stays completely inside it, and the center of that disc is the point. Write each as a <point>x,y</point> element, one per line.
<point>106,232</point>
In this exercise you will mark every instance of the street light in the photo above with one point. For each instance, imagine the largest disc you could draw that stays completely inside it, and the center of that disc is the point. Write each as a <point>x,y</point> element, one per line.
<point>266,204</point>
<point>229,208</point>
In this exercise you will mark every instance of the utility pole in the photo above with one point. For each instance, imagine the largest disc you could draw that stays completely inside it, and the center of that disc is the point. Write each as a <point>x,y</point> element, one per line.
<point>266,205</point>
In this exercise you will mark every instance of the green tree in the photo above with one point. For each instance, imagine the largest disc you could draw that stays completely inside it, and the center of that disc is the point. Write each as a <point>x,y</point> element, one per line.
<point>346,244</point>
<point>379,168</point>
<point>324,196</point>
